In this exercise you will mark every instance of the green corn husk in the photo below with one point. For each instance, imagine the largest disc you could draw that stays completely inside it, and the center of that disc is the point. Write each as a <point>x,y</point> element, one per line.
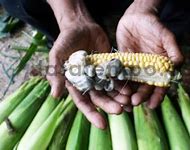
<point>12,129</point>
<point>42,137</point>
<point>44,112</point>
<point>175,129</point>
<point>184,104</point>
<point>79,134</point>
<point>61,134</point>
<point>149,132</point>
<point>100,139</point>
<point>37,37</point>
<point>12,101</point>
<point>15,147</point>
<point>122,132</point>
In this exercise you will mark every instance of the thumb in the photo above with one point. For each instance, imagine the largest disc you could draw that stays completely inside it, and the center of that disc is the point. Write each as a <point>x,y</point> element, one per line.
<point>172,48</point>
<point>125,40</point>
<point>102,42</point>
<point>57,86</point>
<point>55,74</point>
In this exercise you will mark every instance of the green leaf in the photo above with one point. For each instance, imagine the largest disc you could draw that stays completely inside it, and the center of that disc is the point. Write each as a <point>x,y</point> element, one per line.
<point>25,59</point>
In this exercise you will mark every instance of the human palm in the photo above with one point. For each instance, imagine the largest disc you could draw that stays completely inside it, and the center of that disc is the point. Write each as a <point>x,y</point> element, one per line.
<point>88,37</point>
<point>143,32</point>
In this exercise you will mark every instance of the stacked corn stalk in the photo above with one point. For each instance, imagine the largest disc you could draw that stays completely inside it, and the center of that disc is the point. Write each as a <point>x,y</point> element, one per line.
<point>30,119</point>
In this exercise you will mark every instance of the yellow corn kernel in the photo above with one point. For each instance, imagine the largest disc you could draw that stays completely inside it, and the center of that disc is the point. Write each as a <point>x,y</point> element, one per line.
<point>161,64</point>
<point>133,58</point>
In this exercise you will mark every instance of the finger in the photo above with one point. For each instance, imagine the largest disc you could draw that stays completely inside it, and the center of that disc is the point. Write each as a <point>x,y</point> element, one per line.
<point>120,98</point>
<point>123,88</point>
<point>54,74</point>
<point>125,42</point>
<point>105,102</point>
<point>142,94</point>
<point>156,98</point>
<point>57,85</point>
<point>128,47</point>
<point>84,104</point>
<point>102,43</point>
<point>172,48</point>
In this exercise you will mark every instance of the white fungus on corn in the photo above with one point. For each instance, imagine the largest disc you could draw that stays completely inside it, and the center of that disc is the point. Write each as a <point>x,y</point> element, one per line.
<point>75,71</point>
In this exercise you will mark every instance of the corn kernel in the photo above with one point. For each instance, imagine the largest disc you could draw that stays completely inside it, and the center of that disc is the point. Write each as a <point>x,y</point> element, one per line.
<point>160,63</point>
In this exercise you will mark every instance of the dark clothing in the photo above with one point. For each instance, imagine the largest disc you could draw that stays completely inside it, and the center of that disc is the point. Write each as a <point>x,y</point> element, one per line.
<point>175,14</point>
<point>34,12</point>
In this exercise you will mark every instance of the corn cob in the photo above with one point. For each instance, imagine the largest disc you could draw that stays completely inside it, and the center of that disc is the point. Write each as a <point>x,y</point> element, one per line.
<point>184,104</point>
<point>61,134</point>
<point>82,69</point>
<point>157,69</point>
<point>42,137</point>
<point>150,135</point>
<point>177,134</point>
<point>46,109</point>
<point>122,132</point>
<point>12,129</point>
<point>142,60</point>
<point>100,139</point>
<point>79,134</point>
<point>12,101</point>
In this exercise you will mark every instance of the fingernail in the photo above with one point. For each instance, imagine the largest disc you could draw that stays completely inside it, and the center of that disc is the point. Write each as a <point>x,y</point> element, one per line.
<point>52,93</point>
<point>56,94</point>
<point>135,102</point>
<point>116,109</point>
<point>100,125</point>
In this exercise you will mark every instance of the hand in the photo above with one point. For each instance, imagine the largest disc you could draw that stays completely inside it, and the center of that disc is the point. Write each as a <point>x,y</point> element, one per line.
<point>79,31</point>
<point>141,31</point>
<point>88,36</point>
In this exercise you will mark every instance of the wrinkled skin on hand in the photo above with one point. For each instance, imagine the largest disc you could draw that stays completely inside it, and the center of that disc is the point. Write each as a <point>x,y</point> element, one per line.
<point>143,32</point>
<point>73,37</point>
<point>87,36</point>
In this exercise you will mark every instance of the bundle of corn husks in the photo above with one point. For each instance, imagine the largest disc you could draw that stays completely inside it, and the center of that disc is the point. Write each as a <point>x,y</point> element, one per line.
<point>30,119</point>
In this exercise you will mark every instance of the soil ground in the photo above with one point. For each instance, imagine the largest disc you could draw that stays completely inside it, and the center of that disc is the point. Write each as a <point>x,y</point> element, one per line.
<point>9,58</point>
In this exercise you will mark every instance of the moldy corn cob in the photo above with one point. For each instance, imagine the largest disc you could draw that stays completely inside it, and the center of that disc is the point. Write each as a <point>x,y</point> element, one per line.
<point>146,68</point>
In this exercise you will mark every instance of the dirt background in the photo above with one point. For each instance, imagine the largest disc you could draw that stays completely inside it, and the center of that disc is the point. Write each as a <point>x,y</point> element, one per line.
<point>9,59</point>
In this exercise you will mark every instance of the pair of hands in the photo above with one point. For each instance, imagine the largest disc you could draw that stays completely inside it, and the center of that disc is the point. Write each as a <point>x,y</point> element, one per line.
<point>136,32</point>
